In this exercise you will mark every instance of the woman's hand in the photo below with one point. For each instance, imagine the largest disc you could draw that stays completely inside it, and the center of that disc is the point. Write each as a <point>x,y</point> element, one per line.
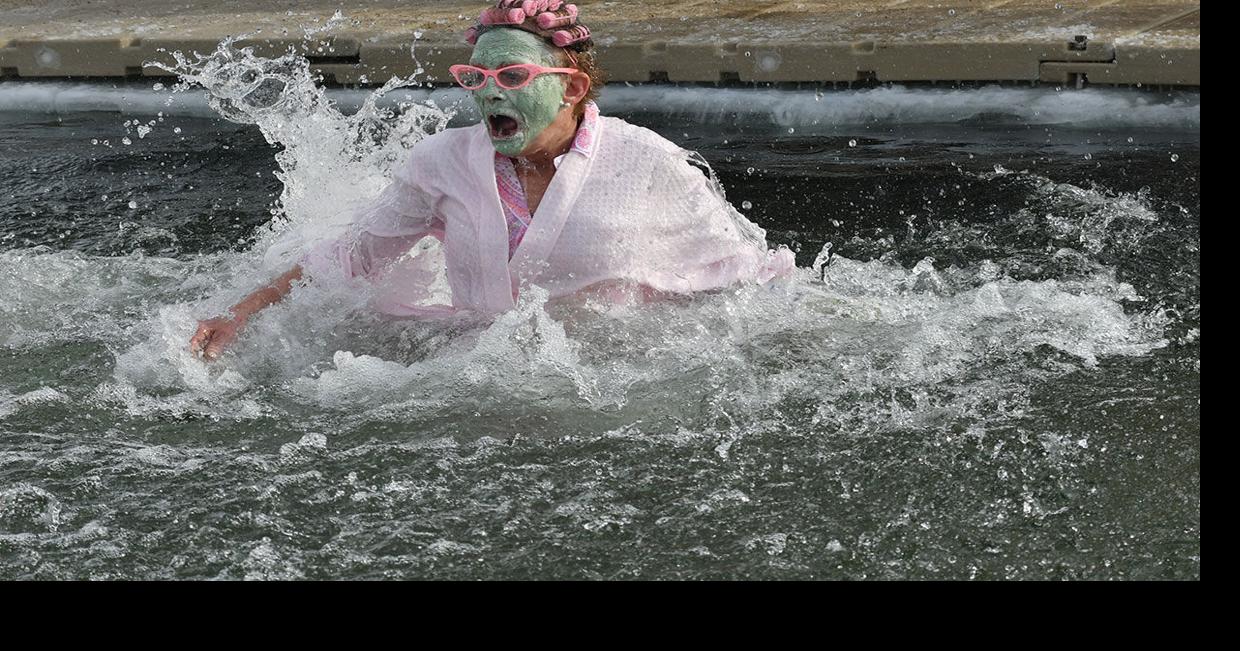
<point>214,335</point>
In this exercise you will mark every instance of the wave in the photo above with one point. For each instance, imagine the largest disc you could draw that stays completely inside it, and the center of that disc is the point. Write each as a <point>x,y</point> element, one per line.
<point>1086,108</point>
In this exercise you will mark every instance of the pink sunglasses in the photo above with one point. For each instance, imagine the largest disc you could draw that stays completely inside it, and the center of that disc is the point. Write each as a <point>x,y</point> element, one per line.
<point>512,77</point>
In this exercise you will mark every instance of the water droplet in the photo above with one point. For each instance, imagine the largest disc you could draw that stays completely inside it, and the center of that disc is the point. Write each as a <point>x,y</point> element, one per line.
<point>94,141</point>
<point>852,143</point>
<point>1089,156</point>
<point>176,129</point>
<point>951,12</point>
<point>749,171</point>
<point>133,205</point>
<point>1129,138</point>
<point>157,87</point>
<point>746,205</point>
<point>791,130</point>
<point>1059,5</point>
<point>103,198</point>
<point>1175,157</point>
<point>126,141</point>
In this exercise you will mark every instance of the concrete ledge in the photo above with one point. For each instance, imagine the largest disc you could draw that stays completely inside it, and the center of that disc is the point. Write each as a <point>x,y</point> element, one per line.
<point>1151,42</point>
<point>1131,66</point>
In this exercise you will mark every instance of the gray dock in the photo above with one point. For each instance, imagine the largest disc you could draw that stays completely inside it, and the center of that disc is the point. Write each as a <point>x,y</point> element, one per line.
<point>1072,42</point>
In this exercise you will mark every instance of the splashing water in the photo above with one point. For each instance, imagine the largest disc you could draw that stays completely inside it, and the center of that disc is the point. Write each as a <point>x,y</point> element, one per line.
<point>329,163</point>
<point>863,329</point>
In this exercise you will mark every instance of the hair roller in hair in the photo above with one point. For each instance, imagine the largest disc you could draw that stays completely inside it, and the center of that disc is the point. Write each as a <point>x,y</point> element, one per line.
<point>566,15</point>
<point>574,34</point>
<point>501,16</point>
<point>535,7</point>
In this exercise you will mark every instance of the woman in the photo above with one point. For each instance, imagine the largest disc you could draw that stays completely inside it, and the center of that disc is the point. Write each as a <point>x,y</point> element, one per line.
<point>543,191</point>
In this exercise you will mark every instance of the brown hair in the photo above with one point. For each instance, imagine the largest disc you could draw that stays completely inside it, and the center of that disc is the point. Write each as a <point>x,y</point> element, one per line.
<point>582,52</point>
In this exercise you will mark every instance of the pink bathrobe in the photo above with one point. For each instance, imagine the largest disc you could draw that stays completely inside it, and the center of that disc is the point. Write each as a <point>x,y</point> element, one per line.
<point>626,210</point>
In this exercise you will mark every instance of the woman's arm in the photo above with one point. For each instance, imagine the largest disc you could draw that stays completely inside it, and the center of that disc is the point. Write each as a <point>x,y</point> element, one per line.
<point>386,228</point>
<point>214,335</point>
<point>693,239</point>
<point>403,213</point>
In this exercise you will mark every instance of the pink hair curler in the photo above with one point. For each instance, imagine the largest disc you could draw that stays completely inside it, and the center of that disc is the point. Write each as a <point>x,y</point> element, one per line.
<point>566,15</point>
<point>574,34</point>
<point>502,16</point>
<point>535,7</point>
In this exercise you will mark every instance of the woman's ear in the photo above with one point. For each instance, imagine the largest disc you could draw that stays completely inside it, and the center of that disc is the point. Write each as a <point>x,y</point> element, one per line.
<point>577,88</point>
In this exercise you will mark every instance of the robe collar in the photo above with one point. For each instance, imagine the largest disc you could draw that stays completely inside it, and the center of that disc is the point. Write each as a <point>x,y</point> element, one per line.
<point>587,131</point>
<point>500,276</point>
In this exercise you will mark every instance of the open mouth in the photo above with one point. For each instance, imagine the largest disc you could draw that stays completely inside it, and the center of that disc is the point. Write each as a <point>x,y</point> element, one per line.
<point>502,126</point>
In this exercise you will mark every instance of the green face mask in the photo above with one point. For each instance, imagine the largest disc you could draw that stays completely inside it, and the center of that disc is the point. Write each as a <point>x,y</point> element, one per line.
<point>533,107</point>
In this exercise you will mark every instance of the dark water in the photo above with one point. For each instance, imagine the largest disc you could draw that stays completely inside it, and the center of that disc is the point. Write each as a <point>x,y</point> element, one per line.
<point>997,377</point>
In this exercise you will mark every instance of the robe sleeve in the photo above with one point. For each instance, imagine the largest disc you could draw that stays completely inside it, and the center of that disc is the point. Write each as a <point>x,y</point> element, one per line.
<point>383,231</point>
<point>699,241</point>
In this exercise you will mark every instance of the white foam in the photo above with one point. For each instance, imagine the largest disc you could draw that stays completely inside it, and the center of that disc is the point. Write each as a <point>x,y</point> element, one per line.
<point>787,108</point>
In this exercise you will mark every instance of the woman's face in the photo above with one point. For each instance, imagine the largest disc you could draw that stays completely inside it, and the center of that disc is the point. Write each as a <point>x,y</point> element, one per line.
<point>514,118</point>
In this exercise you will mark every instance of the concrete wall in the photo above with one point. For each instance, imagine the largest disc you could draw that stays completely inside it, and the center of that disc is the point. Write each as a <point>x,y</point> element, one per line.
<point>1125,42</point>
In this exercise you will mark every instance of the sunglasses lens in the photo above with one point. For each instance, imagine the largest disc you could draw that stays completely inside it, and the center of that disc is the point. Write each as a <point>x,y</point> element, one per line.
<point>513,77</point>
<point>471,78</point>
